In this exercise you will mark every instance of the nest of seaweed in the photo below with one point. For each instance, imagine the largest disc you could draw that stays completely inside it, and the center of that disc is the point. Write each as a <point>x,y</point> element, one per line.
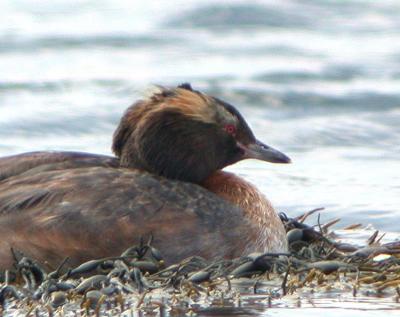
<point>139,281</point>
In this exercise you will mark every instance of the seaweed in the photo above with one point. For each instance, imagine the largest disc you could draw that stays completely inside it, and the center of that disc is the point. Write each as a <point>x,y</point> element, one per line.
<point>138,280</point>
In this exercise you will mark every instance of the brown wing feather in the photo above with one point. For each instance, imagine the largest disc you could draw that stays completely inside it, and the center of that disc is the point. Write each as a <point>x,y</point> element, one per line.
<point>91,212</point>
<point>35,162</point>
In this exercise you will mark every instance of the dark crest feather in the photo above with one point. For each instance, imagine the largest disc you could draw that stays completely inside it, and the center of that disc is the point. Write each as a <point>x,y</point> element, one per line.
<point>186,86</point>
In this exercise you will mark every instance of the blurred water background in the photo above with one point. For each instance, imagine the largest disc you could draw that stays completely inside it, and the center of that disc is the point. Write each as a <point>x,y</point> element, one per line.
<point>319,80</point>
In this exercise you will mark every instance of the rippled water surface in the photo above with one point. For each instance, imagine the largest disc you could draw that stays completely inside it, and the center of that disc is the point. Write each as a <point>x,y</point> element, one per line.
<point>319,80</point>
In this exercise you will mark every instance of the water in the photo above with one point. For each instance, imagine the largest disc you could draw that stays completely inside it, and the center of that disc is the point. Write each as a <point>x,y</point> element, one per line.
<point>319,80</point>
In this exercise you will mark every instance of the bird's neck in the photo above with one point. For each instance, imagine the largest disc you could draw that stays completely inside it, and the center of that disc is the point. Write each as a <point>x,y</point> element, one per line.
<point>241,193</point>
<point>269,233</point>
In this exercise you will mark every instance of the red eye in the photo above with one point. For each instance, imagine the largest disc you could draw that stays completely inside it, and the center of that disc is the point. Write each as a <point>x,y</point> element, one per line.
<point>230,128</point>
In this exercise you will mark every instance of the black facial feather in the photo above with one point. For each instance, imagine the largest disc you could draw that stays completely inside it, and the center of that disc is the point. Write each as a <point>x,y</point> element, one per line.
<point>244,132</point>
<point>178,147</point>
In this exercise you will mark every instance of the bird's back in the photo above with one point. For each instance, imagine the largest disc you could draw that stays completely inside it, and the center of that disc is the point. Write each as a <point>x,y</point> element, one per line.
<point>58,204</point>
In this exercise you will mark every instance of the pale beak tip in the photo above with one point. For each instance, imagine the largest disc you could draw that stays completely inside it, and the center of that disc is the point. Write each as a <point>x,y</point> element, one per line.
<point>281,158</point>
<point>287,160</point>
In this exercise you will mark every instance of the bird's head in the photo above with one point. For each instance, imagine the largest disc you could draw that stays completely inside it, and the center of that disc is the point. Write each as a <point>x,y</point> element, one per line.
<point>183,134</point>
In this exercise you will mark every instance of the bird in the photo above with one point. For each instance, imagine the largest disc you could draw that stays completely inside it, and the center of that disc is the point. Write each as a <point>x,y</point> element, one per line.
<point>165,180</point>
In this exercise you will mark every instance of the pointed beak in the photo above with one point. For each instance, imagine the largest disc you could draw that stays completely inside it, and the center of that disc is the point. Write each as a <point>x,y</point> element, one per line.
<point>263,152</point>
